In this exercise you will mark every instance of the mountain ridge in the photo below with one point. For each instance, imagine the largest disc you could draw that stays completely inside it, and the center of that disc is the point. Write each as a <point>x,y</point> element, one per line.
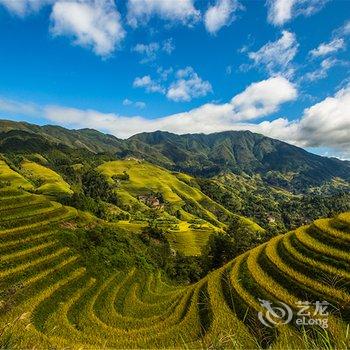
<point>204,155</point>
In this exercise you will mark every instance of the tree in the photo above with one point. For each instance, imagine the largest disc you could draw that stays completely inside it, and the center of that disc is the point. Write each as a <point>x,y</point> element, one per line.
<point>95,184</point>
<point>219,250</point>
<point>243,236</point>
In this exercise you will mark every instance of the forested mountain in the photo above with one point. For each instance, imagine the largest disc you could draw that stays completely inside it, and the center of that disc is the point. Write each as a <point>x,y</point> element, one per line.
<point>240,152</point>
<point>203,155</point>
<point>22,136</point>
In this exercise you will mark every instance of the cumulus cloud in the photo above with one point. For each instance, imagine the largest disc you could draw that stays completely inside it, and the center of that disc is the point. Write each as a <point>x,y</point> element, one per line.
<point>256,101</point>
<point>277,56</point>
<point>187,86</point>
<point>220,14</point>
<point>325,124</point>
<point>94,24</point>
<point>23,8</point>
<point>148,83</point>
<point>141,11</point>
<point>263,98</point>
<point>328,48</point>
<point>282,11</point>
<point>151,50</point>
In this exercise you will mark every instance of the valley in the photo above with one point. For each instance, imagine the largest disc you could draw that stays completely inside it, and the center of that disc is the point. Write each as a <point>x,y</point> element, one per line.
<point>102,251</point>
<point>50,298</point>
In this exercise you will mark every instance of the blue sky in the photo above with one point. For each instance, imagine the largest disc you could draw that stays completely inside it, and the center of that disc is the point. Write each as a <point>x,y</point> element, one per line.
<point>278,67</point>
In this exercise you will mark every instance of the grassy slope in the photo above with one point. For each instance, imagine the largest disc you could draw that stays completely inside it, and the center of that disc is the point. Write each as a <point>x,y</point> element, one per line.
<point>50,300</point>
<point>51,183</point>
<point>146,178</point>
<point>9,175</point>
<point>187,235</point>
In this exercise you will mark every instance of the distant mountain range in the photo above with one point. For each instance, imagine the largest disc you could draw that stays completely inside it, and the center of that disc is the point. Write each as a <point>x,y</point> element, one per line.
<point>203,155</point>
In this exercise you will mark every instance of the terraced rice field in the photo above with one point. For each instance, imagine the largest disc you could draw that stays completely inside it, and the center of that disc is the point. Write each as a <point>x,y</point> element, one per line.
<point>179,196</point>
<point>187,240</point>
<point>49,182</point>
<point>8,175</point>
<point>50,300</point>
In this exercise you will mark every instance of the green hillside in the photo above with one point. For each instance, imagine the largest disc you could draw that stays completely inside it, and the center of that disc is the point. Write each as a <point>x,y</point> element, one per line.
<point>272,206</point>
<point>239,152</point>
<point>172,201</point>
<point>9,176</point>
<point>46,180</point>
<point>51,298</point>
<point>188,215</point>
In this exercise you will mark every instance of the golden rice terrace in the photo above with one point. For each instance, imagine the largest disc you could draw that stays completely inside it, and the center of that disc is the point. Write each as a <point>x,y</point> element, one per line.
<point>50,300</point>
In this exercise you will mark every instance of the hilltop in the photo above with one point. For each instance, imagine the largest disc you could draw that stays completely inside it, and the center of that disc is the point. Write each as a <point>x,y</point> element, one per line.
<point>240,152</point>
<point>276,185</point>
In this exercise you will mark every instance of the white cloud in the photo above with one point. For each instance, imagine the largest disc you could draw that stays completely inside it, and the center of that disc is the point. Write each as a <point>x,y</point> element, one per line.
<point>221,14</point>
<point>164,73</point>
<point>18,107</point>
<point>150,51</point>
<point>328,48</point>
<point>127,102</point>
<point>276,57</point>
<point>346,28</point>
<point>187,86</point>
<point>321,72</point>
<point>137,104</point>
<point>92,23</point>
<point>148,83</point>
<point>282,11</point>
<point>140,104</point>
<point>325,124</point>
<point>182,11</point>
<point>256,101</point>
<point>263,98</point>
<point>24,8</point>
<point>168,46</point>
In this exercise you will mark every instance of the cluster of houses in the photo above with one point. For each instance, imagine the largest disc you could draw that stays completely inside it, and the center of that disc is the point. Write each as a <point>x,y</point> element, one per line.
<point>151,200</point>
